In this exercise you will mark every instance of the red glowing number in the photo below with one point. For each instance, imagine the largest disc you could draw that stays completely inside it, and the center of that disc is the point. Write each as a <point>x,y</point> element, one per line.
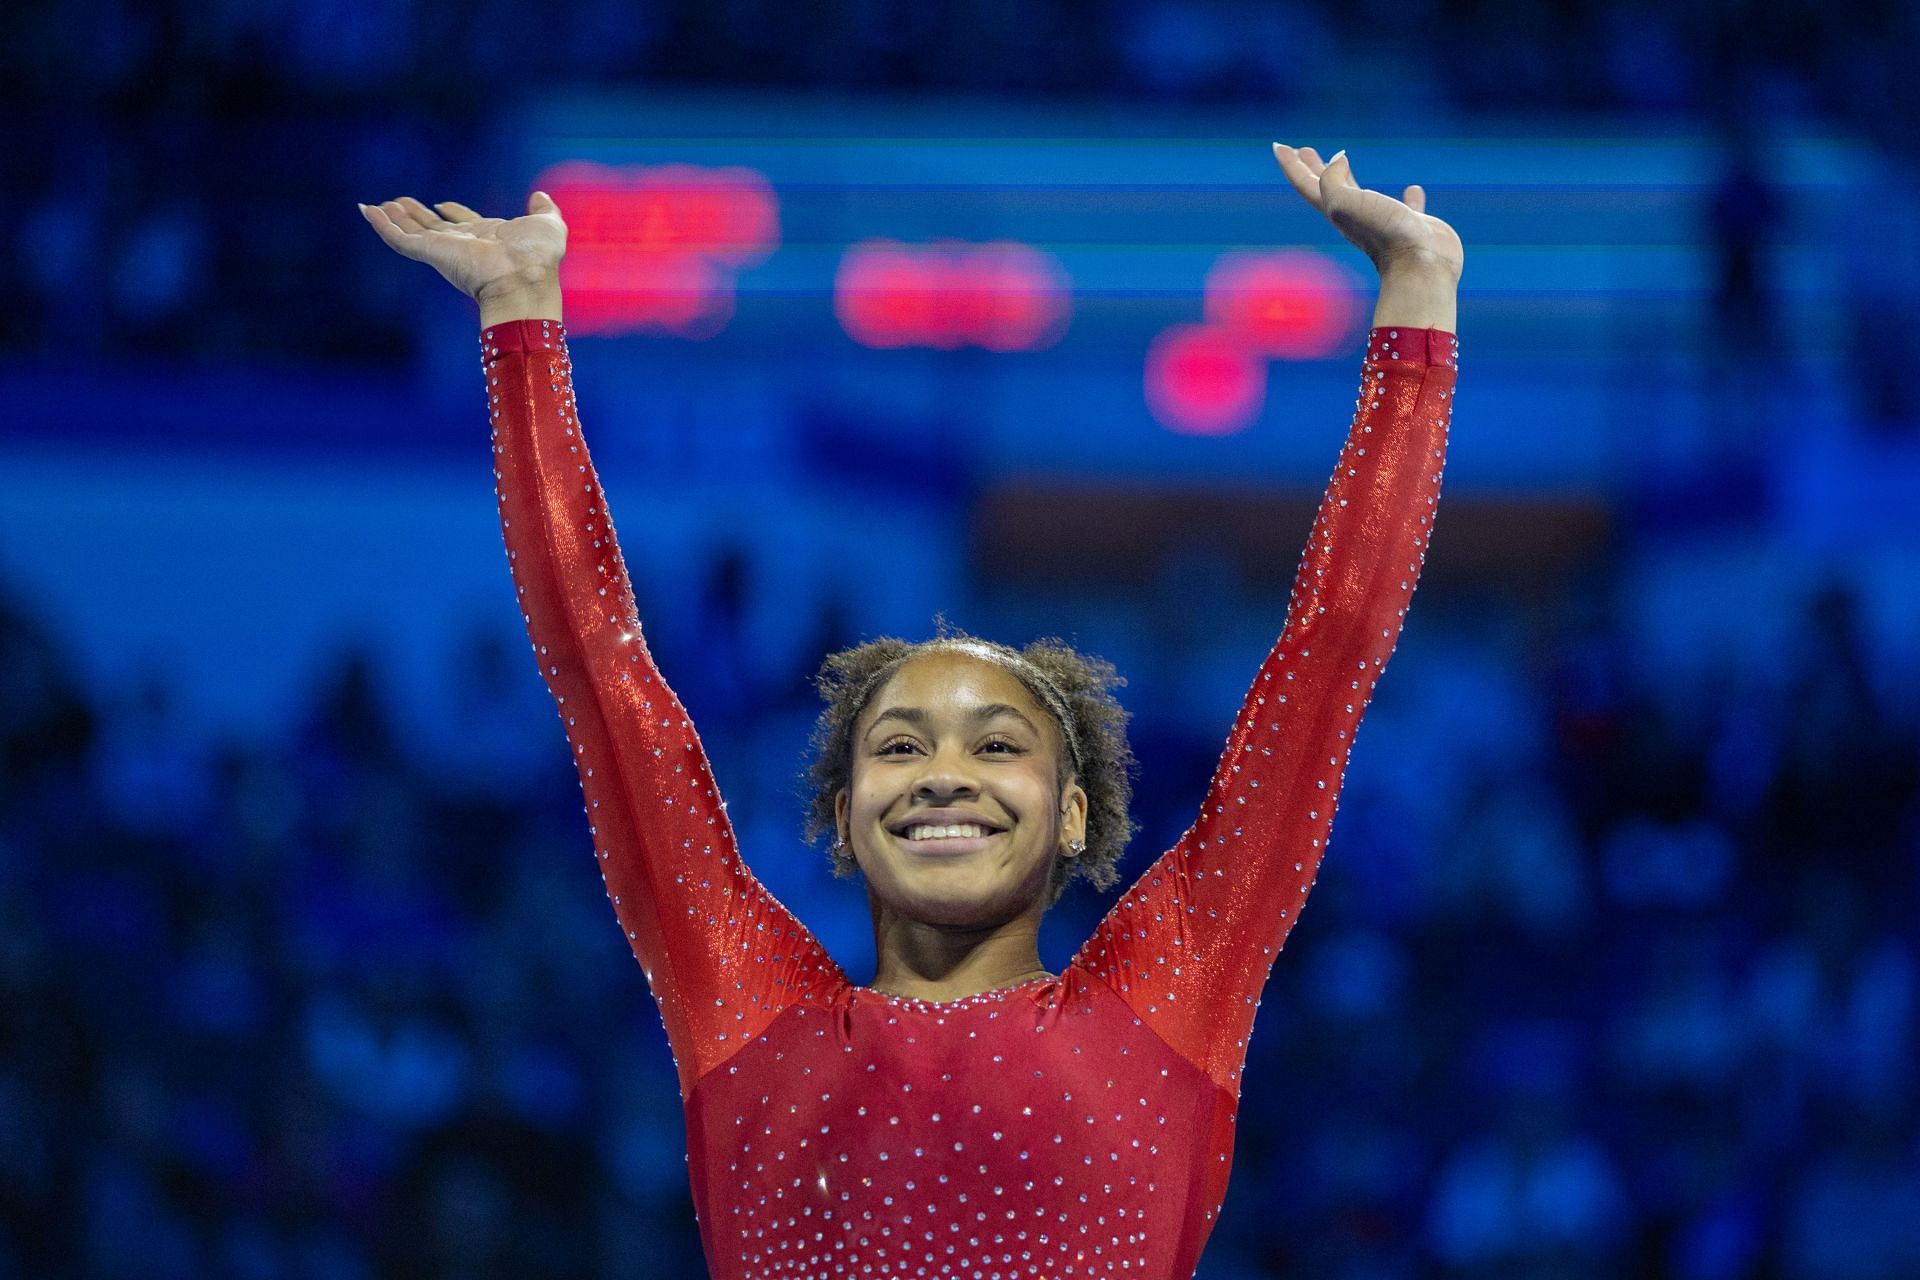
<point>655,247</point>
<point>1001,296</point>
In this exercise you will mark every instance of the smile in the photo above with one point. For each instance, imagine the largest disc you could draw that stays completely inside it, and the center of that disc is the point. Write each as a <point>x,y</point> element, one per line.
<point>936,831</point>
<point>954,839</point>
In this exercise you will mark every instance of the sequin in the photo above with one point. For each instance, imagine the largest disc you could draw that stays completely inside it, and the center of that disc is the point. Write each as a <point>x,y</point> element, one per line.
<point>1079,1126</point>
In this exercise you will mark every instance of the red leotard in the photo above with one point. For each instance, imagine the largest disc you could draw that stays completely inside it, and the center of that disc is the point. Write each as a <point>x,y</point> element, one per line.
<point>1079,1126</point>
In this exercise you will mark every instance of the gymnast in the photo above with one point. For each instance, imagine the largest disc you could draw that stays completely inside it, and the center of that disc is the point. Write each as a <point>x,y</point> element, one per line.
<point>967,1113</point>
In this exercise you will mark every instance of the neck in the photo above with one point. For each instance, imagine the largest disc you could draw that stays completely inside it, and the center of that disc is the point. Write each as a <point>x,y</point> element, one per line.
<point>940,962</point>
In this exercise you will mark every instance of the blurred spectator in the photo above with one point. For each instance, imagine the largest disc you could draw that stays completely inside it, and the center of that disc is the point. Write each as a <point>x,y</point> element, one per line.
<point>1744,348</point>
<point>1881,279</point>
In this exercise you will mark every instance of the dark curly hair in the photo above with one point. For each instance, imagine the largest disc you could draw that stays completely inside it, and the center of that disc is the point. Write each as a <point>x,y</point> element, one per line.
<point>1075,688</point>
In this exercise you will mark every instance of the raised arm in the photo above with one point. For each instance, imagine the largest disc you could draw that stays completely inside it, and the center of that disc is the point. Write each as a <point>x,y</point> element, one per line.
<point>1189,946</point>
<point>721,955</point>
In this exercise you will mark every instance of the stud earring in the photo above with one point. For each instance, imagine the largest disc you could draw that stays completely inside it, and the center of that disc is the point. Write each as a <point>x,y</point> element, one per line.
<point>1077,847</point>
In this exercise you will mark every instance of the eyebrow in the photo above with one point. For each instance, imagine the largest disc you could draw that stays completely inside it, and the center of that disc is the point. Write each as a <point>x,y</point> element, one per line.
<point>919,716</point>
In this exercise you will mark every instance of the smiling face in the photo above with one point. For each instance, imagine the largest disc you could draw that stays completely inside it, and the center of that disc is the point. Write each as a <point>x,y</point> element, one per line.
<point>953,740</point>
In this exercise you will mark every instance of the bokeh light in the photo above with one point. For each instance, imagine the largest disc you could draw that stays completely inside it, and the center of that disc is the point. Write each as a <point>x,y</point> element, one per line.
<point>1291,304</point>
<point>655,247</point>
<point>1204,380</point>
<point>1000,296</point>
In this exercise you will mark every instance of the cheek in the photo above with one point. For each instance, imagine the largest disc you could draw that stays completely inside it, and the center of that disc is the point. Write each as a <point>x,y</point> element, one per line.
<point>867,800</point>
<point>1036,793</point>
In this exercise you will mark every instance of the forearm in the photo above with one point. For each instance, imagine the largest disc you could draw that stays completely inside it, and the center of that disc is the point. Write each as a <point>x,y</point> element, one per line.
<point>1416,296</point>
<point>1246,865</point>
<point>724,957</point>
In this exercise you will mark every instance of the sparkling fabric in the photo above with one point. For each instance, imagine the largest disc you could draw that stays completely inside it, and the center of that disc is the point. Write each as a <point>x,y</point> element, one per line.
<point>1079,1126</point>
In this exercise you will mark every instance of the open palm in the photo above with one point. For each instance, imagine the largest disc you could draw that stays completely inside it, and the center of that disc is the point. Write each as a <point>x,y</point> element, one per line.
<point>479,256</point>
<point>1388,231</point>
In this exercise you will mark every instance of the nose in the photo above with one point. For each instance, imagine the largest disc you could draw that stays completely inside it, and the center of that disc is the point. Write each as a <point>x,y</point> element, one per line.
<point>947,775</point>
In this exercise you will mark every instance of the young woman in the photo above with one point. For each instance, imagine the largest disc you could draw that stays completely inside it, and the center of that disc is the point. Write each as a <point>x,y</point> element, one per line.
<point>968,1113</point>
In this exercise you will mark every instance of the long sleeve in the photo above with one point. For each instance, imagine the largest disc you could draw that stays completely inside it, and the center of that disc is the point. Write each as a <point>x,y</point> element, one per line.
<point>1190,944</point>
<point>721,955</point>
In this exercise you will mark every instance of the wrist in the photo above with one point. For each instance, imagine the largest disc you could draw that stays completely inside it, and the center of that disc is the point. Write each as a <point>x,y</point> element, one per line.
<point>1417,295</point>
<point>527,300</point>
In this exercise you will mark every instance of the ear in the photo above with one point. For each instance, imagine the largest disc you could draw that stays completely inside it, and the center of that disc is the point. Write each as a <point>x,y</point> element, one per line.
<point>1073,821</point>
<point>840,814</point>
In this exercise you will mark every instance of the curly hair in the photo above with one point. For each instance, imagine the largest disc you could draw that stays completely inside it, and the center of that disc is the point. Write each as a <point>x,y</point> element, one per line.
<point>1074,688</point>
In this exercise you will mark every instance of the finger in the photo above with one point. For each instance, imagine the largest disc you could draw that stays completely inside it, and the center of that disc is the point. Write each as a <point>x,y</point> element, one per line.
<point>1298,174</point>
<point>1336,182</point>
<point>423,215</point>
<point>541,202</point>
<point>1314,163</point>
<point>1416,198</point>
<point>398,215</point>
<point>382,222</point>
<point>454,211</point>
<point>1339,170</point>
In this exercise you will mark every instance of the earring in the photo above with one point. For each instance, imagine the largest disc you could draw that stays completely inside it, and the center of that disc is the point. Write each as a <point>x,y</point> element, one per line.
<point>838,843</point>
<point>1077,847</point>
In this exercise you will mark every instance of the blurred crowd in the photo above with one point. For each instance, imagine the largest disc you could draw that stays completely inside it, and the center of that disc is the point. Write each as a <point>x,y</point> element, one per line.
<point>1607,974</point>
<point>1599,979</point>
<point>198,163</point>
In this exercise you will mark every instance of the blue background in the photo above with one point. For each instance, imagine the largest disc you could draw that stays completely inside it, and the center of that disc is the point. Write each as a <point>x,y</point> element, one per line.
<point>1611,967</point>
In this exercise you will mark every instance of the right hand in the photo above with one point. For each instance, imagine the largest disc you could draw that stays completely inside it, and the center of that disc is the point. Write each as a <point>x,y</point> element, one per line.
<point>482,257</point>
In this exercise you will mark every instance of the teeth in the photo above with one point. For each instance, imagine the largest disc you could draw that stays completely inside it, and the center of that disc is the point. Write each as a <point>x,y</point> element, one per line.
<point>925,832</point>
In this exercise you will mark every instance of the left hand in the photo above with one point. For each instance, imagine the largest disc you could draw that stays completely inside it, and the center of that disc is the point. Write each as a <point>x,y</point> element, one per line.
<point>1395,234</point>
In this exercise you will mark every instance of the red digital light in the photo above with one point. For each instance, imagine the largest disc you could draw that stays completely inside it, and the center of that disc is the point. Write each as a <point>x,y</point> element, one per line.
<point>1001,296</point>
<point>1204,381</point>
<point>656,246</point>
<point>1289,304</point>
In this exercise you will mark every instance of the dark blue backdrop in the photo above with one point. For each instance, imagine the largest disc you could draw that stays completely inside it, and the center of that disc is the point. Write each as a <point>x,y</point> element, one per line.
<point>304,970</point>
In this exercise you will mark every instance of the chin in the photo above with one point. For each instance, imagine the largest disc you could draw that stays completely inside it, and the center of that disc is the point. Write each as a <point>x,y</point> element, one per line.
<point>938,896</point>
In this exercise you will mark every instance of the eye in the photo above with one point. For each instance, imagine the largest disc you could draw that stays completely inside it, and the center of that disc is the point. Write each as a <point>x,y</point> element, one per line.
<point>887,748</point>
<point>1002,742</point>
